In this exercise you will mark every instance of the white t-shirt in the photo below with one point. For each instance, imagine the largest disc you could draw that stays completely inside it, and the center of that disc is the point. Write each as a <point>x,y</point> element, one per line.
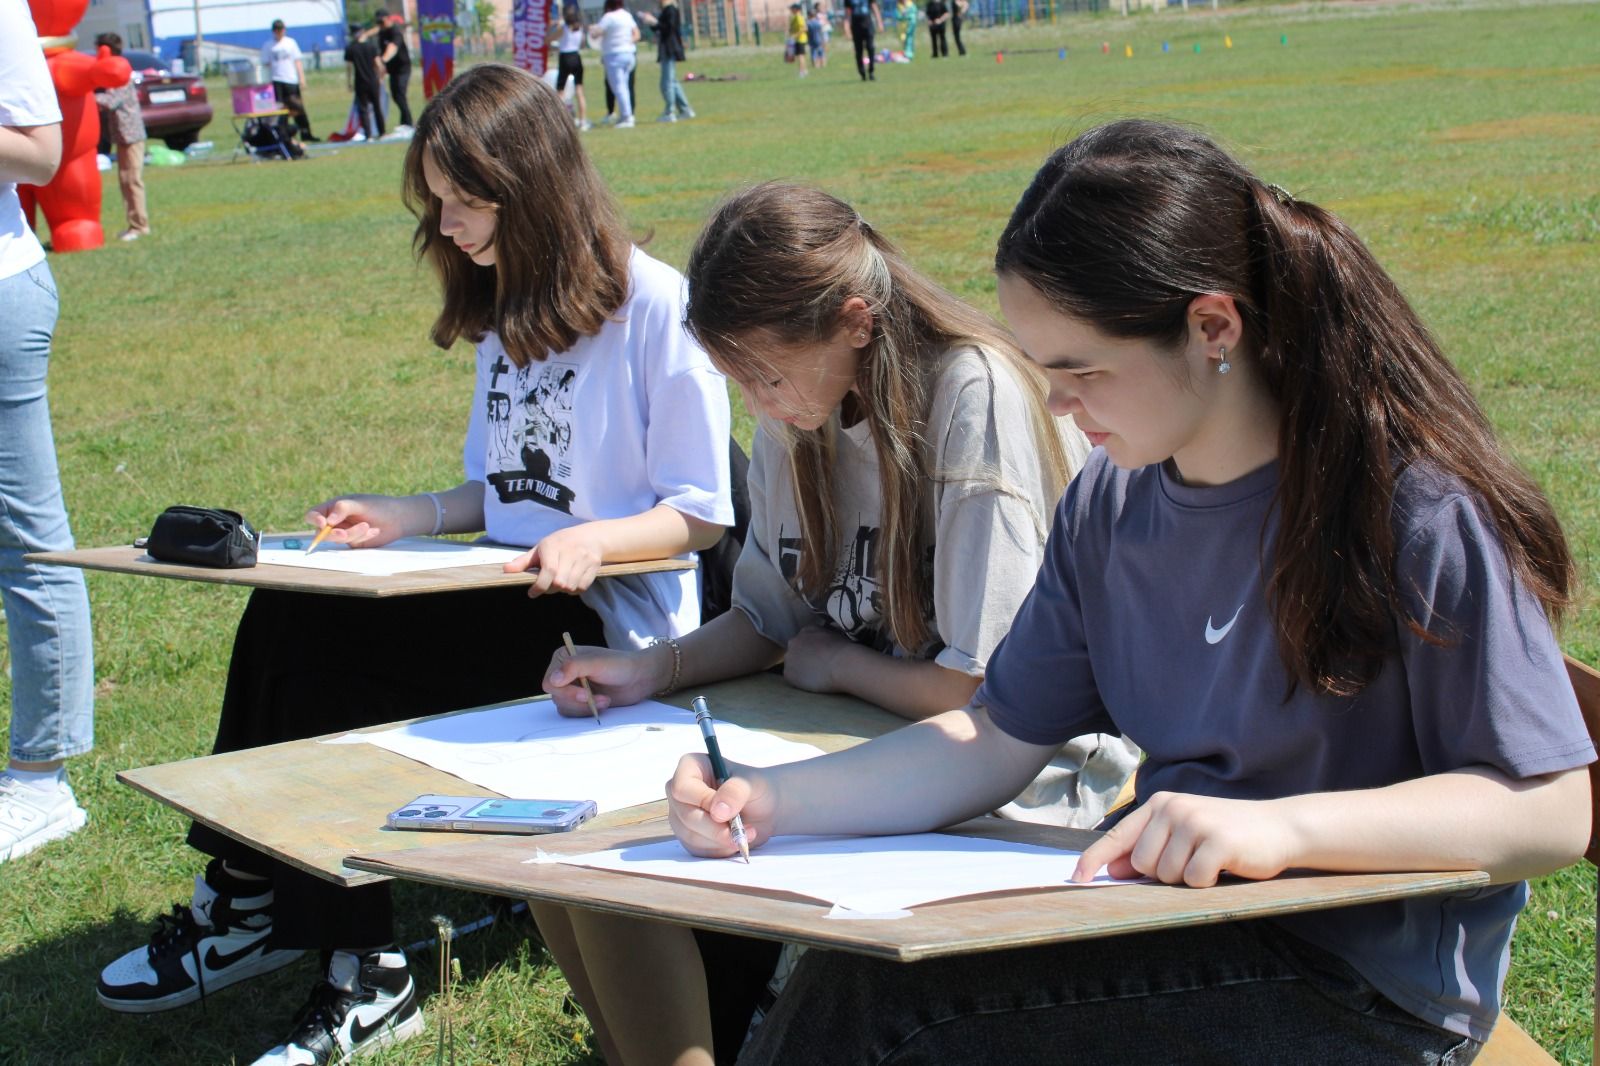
<point>626,419</point>
<point>616,32</point>
<point>571,39</point>
<point>280,58</point>
<point>27,98</point>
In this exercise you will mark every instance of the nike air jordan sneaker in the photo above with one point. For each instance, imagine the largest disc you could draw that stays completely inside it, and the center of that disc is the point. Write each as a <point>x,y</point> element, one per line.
<point>366,1002</point>
<point>217,940</point>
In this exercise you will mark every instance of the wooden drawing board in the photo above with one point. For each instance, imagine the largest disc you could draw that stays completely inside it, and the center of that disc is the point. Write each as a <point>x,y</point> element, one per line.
<point>311,804</point>
<point>126,559</point>
<point>981,923</point>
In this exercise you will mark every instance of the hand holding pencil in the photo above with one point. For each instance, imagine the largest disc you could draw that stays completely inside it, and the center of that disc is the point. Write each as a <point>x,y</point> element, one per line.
<point>361,521</point>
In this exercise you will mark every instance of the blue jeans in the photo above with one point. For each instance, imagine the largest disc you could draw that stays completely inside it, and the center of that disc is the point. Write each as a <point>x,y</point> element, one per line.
<point>618,66</point>
<point>671,91</point>
<point>47,607</point>
<point>1224,994</point>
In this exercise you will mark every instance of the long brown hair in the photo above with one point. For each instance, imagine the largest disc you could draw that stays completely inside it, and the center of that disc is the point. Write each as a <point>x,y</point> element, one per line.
<point>1126,225</point>
<point>777,263</point>
<point>502,137</point>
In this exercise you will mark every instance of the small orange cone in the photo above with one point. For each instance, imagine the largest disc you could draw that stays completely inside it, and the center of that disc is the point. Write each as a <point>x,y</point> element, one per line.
<point>999,57</point>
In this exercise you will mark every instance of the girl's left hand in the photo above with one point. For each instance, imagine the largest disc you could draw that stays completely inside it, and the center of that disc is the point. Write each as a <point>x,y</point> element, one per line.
<point>809,662</point>
<point>1182,839</point>
<point>567,559</point>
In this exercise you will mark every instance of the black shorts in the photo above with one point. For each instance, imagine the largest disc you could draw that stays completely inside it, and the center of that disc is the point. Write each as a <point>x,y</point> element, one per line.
<point>568,65</point>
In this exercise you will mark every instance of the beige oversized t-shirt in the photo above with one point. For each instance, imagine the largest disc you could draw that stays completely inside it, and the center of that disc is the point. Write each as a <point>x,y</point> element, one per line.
<point>990,515</point>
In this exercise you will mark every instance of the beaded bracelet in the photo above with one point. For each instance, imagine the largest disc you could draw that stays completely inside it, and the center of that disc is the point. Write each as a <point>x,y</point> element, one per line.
<point>677,663</point>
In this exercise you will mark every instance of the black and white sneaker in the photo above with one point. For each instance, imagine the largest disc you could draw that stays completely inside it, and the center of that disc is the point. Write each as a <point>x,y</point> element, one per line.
<point>366,1002</point>
<point>217,940</point>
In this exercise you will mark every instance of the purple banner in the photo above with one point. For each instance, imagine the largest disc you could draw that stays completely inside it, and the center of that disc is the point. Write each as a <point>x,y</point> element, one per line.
<point>529,32</point>
<point>436,27</point>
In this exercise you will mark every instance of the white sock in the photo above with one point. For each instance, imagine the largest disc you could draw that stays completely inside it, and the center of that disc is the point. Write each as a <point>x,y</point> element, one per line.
<point>47,782</point>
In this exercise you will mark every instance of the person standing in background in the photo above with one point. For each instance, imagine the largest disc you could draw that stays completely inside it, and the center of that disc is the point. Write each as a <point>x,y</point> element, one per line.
<point>282,58</point>
<point>906,12</point>
<point>396,59</point>
<point>124,127</point>
<point>618,37</point>
<point>799,38</point>
<point>938,14</point>
<point>569,61</point>
<point>669,52</point>
<point>46,607</point>
<point>366,79</point>
<point>958,8</point>
<point>865,19</point>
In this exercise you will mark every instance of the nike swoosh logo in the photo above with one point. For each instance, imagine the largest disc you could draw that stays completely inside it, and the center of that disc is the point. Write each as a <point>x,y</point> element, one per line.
<point>359,1033</point>
<point>1214,635</point>
<point>216,961</point>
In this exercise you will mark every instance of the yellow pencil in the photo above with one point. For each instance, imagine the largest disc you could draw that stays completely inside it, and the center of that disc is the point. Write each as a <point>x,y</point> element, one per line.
<point>322,535</point>
<point>587,691</point>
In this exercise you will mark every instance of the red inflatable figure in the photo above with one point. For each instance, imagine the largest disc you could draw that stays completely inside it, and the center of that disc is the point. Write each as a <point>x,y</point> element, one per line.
<point>71,201</point>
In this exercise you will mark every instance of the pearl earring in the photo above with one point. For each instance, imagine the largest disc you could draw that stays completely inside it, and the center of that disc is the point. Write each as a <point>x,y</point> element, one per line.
<point>1224,366</point>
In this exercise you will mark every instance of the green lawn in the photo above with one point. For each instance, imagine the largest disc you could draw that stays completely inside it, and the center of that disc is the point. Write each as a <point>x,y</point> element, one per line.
<point>267,348</point>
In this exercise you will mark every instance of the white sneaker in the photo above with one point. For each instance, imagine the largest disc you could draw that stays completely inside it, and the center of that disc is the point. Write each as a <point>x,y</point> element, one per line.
<point>366,1002</point>
<point>585,126</point>
<point>626,124</point>
<point>212,943</point>
<point>31,817</point>
<point>668,117</point>
<point>688,112</point>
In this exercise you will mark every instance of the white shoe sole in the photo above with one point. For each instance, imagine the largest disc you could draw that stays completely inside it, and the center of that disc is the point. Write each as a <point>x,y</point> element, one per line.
<point>56,830</point>
<point>269,961</point>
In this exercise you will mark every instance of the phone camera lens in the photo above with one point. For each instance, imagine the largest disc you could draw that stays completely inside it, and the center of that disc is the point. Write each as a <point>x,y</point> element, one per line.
<point>408,814</point>
<point>434,814</point>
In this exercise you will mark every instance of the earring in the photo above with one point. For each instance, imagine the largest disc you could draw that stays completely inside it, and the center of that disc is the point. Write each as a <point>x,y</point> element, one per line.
<point>1224,366</point>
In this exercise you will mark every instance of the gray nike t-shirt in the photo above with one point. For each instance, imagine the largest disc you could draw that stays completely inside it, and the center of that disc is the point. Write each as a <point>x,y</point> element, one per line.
<point>1150,618</point>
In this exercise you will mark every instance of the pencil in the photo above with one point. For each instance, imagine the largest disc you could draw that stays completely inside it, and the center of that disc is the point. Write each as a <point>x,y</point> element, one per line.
<point>322,535</point>
<point>719,768</point>
<point>588,693</point>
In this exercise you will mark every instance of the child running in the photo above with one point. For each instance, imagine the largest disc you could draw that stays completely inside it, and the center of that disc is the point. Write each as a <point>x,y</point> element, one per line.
<point>1300,571</point>
<point>597,433</point>
<point>901,485</point>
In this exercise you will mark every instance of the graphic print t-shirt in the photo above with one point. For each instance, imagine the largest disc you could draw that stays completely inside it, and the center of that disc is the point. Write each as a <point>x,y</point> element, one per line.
<point>626,419</point>
<point>988,523</point>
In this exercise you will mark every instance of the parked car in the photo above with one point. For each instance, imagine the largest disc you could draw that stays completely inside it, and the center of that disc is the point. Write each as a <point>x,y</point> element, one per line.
<point>174,106</point>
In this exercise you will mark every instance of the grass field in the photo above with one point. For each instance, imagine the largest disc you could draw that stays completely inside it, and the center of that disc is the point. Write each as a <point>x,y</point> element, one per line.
<point>267,348</point>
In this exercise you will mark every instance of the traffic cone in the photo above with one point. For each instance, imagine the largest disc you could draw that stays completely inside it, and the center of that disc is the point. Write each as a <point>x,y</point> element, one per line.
<point>1197,48</point>
<point>1283,38</point>
<point>1062,54</point>
<point>1166,46</point>
<point>1127,51</point>
<point>999,57</point>
<point>1227,42</point>
<point>1105,48</point>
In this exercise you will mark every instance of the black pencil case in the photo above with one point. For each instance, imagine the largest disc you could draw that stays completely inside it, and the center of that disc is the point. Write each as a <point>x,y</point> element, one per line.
<point>203,536</point>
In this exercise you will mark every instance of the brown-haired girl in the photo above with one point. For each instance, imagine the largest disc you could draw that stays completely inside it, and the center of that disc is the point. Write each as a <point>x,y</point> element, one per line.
<point>901,485</point>
<point>597,432</point>
<point>1301,573</point>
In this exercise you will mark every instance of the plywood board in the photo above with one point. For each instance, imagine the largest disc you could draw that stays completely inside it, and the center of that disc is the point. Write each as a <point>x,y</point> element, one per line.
<point>126,559</point>
<point>311,804</point>
<point>1017,919</point>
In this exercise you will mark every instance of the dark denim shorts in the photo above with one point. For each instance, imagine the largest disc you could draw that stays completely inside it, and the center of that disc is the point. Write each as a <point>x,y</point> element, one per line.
<point>1241,992</point>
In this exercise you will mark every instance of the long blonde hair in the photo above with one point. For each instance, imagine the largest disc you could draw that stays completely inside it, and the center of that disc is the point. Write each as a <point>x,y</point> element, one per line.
<point>776,263</point>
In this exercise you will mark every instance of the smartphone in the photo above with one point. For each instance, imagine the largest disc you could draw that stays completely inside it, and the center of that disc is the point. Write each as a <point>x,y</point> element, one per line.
<point>480,814</point>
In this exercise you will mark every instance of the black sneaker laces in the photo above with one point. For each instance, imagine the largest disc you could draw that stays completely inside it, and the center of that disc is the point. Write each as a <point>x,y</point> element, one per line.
<point>324,1012</point>
<point>176,933</point>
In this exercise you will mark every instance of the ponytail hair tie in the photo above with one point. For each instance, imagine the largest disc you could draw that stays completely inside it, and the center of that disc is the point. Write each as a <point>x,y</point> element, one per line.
<point>1280,194</point>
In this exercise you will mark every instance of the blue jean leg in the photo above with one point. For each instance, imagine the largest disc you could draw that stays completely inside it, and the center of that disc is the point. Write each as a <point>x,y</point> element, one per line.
<point>1222,994</point>
<point>672,89</point>
<point>617,68</point>
<point>46,607</point>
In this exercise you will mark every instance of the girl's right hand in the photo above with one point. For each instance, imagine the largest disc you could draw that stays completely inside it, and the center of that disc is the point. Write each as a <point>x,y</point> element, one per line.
<point>363,521</point>
<point>700,812</point>
<point>618,678</point>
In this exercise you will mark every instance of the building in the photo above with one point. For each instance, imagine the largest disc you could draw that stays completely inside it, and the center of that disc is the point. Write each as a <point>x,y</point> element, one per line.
<point>225,27</point>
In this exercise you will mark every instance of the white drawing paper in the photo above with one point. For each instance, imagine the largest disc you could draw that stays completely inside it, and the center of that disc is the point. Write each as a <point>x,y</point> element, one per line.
<point>530,751</point>
<point>870,876</point>
<point>404,556</point>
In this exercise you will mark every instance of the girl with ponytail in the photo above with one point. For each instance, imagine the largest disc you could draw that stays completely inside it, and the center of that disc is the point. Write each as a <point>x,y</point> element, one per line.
<point>1302,574</point>
<point>902,480</point>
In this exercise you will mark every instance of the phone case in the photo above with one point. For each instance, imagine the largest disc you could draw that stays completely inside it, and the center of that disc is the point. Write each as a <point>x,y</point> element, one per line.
<point>491,814</point>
